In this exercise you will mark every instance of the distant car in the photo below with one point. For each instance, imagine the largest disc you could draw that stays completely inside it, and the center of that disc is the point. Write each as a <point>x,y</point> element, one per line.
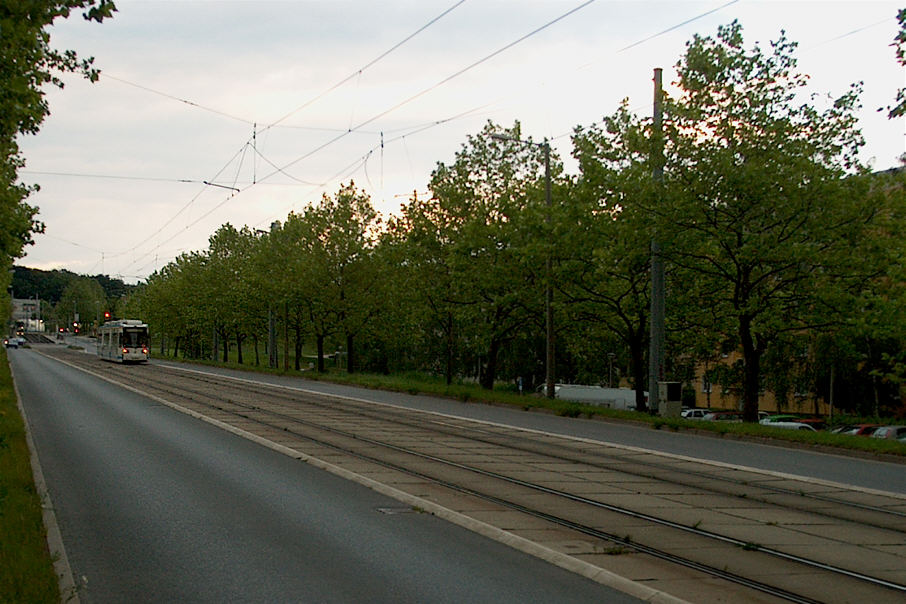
<point>694,413</point>
<point>770,419</point>
<point>722,416</point>
<point>791,426</point>
<point>815,422</point>
<point>856,429</point>
<point>12,342</point>
<point>891,432</point>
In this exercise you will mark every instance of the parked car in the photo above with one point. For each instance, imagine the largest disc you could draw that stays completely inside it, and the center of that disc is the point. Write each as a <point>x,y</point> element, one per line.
<point>695,413</point>
<point>892,432</point>
<point>856,429</point>
<point>723,416</point>
<point>783,417</point>
<point>815,422</point>
<point>791,426</point>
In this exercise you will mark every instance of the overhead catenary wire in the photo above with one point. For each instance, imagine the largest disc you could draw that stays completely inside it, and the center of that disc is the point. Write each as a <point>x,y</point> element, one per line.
<point>438,84</point>
<point>460,72</point>
<point>426,126</point>
<point>377,116</point>
<point>294,111</point>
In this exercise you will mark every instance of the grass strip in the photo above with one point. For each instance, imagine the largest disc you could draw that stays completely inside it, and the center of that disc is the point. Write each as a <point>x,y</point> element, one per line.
<point>26,566</point>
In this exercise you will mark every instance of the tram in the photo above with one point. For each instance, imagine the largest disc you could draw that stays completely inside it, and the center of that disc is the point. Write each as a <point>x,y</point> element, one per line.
<point>123,341</point>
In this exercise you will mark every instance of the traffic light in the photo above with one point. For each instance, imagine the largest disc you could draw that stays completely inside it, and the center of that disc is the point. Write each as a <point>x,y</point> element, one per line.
<point>106,315</point>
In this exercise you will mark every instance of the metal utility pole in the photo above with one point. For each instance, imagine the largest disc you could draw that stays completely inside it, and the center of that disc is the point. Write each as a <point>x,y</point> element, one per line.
<point>271,339</point>
<point>656,342</point>
<point>550,356</point>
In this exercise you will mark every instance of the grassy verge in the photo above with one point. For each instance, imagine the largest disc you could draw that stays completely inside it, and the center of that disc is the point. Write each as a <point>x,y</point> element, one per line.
<point>26,567</point>
<point>414,383</point>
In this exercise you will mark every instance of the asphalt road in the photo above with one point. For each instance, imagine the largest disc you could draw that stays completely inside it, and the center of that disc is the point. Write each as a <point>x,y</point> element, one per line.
<point>155,506</point>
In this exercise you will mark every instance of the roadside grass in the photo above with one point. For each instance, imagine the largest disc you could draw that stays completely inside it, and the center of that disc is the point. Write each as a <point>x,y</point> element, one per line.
<point>26,566</point>
<point>418,383</point>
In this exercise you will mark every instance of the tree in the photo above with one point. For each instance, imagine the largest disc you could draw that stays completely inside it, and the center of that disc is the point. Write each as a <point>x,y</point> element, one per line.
<point>763,210</point>
<point>607,272</point>
<point>327,254</point>
<point>347,231</point>
<point>229,267</point>
<point>428,278</point>
<point>488,216</point>
<point>83,301</point>
<point>27,63</point>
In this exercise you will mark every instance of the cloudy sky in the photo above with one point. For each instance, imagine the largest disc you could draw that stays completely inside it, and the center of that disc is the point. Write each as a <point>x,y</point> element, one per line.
<point>276,102</point>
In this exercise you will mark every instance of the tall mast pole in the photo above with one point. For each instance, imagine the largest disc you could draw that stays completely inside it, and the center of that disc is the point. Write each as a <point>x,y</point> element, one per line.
<point>656,343</point>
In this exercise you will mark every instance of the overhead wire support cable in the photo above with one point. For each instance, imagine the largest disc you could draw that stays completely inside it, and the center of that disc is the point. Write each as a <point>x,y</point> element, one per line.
<point>435,86</point>
<point>359,127</point>
<point>104,74</point>
<point>359,71</point>
<point>254,124</point>
<point>677,26</point>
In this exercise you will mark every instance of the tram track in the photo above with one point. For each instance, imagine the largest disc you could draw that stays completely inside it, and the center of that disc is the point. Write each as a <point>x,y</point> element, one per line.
<point>516,470</point>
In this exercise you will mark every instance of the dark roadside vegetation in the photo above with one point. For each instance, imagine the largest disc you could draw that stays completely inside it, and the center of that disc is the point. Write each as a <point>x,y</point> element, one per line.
<point>26,566</point>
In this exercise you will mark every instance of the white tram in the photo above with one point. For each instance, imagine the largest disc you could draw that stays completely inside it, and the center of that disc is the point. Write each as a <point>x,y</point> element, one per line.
<point>123,341</point>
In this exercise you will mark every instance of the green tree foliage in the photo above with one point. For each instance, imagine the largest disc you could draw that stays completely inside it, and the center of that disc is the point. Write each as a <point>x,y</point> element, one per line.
<point>491,239</point>
<point>83,299</point>
<point>327,255</point>
<point>226,284</point>
<point>27,64</point>
<point>417,238</point>
<point>763,214</point>
<point>347,227</point>
<point>607,255</point>
<point>779,246</point>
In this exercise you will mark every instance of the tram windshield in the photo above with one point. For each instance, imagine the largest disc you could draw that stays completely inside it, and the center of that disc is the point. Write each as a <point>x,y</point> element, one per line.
<point>135,337</point>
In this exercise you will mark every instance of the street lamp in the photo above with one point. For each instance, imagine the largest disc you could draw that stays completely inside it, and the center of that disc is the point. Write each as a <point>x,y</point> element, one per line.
<point>548,290</point>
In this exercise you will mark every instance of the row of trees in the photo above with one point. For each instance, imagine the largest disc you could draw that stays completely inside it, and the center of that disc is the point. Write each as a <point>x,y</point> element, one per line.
<point>778,244</point>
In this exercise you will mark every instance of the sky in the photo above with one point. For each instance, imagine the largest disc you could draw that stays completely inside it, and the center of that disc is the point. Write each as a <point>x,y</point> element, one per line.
<point>210,112</point>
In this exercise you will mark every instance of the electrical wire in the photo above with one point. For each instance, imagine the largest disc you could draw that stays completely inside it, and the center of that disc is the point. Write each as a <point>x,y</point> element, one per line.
<point>104,74</point>
<point>434,86</point>
<point>359,128</point>
<point>371,63</point>
<point>677,26</point>
<point>357,73</point>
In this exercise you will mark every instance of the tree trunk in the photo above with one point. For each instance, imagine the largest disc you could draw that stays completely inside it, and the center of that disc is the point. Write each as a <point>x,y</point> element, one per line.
<point>286,337</point>
<point>448,371</point>
<point>350,353</point>
<point>320,342</point>
<point>637,346</point>
<point>751,357</point>
<point>239,340</point>
<point>490,368</point>
<point>298,348</point>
